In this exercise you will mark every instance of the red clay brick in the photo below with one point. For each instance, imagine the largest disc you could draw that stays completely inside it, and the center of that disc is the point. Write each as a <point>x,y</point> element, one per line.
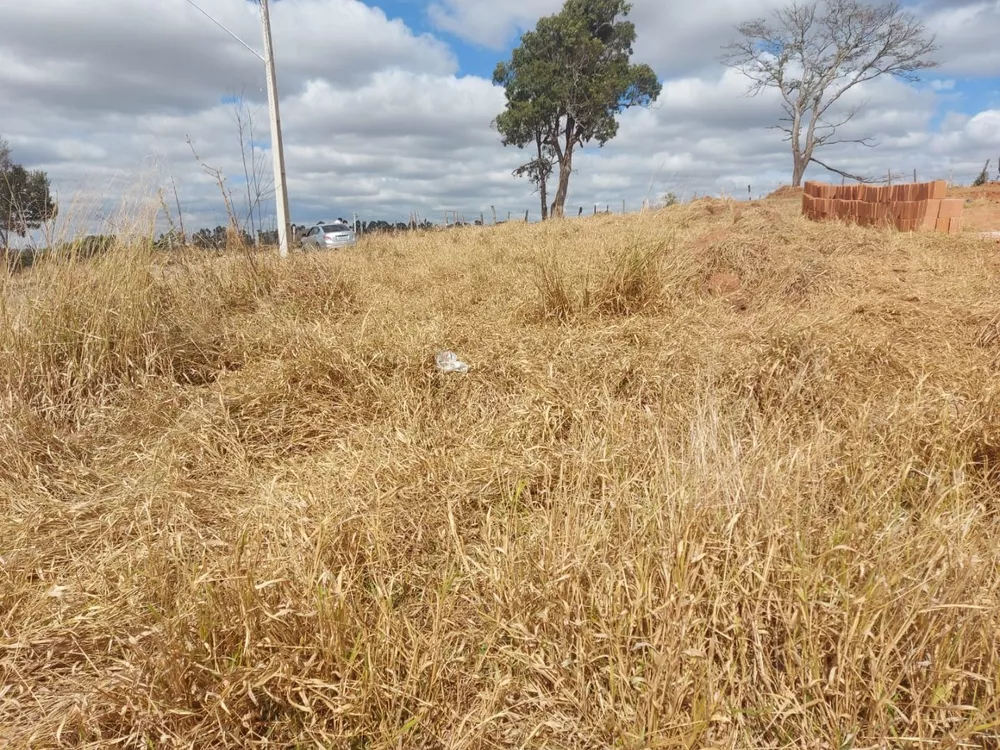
<point>955,225</point>
<point>939,188</point>
<point>931,213</point>
<point>942,225</point>
<point>951,208</point>
<point>901,210</point>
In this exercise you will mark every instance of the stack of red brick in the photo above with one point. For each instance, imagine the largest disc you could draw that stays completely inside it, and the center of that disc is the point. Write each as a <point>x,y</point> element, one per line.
<point>909,207</point>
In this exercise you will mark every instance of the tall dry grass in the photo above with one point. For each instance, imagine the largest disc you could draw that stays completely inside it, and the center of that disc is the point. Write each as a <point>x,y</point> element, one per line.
<point>240,508</point>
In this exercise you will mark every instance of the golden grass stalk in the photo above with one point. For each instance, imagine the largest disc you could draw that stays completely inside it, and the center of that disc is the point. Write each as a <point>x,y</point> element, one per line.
<point>240,508</point>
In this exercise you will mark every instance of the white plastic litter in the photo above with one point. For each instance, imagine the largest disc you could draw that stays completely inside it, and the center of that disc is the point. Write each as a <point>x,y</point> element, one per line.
<point>449,362</point>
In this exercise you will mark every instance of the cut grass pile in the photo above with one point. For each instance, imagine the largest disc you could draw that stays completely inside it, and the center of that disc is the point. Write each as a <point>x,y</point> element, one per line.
<point>240,508</point>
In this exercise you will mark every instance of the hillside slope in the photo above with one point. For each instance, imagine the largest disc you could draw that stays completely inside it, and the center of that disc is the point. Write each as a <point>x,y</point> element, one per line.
<point>717,476</point>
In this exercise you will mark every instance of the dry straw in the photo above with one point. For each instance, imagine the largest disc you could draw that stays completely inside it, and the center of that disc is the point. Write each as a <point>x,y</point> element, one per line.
<point>240,507</point>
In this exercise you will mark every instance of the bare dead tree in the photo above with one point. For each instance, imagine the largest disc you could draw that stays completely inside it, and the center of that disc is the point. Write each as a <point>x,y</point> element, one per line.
<point>220,180</point>
<point>259,186</point>
<point>234,234</point>
<point>814,52</point>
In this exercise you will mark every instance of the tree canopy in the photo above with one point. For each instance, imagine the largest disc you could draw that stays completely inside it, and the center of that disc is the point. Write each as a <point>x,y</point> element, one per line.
<point>25,197</point>
<point>565,84</point>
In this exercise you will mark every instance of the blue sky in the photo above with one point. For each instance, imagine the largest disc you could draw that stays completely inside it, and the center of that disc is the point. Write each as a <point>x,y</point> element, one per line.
<point>969,95</point>
<point>473,59</point>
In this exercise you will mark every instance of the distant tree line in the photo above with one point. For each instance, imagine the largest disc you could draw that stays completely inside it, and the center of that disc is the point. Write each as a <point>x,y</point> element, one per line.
<point>222,237</point>
<point>219,238</point>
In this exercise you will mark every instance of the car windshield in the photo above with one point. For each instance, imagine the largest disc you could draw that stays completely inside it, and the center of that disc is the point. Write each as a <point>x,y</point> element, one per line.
<point>336,228</point>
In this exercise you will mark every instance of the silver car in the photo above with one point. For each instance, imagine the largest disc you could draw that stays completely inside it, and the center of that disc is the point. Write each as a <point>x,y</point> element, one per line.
<point>330,236</point>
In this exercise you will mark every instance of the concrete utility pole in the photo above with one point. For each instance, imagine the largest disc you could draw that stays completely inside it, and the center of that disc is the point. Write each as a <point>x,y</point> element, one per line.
<point>277,150</point>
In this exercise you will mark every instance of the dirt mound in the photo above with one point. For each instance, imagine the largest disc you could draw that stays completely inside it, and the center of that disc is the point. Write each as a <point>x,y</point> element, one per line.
<point>990,192</point>
<point>786,191</point>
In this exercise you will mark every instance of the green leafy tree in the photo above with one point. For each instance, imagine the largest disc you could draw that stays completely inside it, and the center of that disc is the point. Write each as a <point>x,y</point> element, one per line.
<point>566,83</point>
<point>983,176</point>
<point>525,122</point>
<point>25,198</point>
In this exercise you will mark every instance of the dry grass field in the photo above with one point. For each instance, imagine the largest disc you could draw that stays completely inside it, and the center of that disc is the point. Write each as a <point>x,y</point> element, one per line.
<point>239,507</point>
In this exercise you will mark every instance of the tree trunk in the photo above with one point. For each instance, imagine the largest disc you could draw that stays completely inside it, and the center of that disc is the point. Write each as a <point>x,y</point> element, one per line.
<point>542,178</point>
<point>799,164</point>
<point>565,168</point>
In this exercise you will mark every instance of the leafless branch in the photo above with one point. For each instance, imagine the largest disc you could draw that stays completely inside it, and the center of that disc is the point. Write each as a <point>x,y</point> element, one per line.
<point>253,166</point>
<point>848,175</point>
<point>220,180</point>
<point>814,52</point>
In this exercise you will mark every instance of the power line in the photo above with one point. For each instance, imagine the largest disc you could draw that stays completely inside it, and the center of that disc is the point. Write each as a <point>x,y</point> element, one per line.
<point>219,24</point>
<point>277,149</point>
